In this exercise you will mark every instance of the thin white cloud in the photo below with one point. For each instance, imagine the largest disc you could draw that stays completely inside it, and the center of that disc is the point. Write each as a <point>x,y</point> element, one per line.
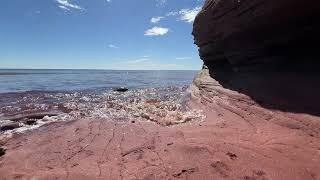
<point>108,1</point>
<point>143,63</point>
<point>156,31</point>
<point>113,46</point>
<point>66,5</point>
<point>183,58</point>
<point>188,15</point>
<point>64,8</point>
<point>136,61</point>
<point>172,13</point>
<point>156,19</point>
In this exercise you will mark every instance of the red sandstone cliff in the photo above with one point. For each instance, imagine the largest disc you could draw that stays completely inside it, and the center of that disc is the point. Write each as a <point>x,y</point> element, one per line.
<point>261,57</point>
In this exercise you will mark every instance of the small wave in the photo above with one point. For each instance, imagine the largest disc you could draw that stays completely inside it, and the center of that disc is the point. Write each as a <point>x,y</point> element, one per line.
<point>164,106</point>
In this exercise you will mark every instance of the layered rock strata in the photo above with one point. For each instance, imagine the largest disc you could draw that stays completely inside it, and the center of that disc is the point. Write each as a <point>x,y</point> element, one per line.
<point>260,57</point>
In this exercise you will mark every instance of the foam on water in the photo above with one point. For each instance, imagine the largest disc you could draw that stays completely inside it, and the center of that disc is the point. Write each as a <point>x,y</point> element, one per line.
<point>165,106</point>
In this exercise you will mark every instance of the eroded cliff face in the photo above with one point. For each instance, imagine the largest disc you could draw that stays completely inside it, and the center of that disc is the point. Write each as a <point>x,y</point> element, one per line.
<point>261,58</point>
<point>251,34</point>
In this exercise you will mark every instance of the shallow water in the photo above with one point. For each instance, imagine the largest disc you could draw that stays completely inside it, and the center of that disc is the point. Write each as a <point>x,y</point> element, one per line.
<point>44,96</point>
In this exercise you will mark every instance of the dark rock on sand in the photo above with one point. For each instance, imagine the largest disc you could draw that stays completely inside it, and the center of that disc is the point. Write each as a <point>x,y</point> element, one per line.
<point>9,126</point>
<point>121,89</point>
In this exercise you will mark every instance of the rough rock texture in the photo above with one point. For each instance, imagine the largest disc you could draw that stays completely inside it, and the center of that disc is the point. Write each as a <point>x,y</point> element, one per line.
<point>265,49</point>
<point>225,146</point>
<point>260,53</point>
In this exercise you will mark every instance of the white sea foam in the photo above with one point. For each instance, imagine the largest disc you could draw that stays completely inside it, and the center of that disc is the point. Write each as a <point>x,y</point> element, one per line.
<point>165,106</point>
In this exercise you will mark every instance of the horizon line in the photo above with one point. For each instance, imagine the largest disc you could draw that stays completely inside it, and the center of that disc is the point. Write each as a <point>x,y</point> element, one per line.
<point>100,69</point>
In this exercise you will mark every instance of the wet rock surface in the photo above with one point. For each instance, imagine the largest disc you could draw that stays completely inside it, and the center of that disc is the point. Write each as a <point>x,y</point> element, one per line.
<point>32,116</point>
<point>10,126</point>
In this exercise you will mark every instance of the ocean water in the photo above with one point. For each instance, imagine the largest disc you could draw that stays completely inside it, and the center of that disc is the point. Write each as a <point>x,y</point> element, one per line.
<point>35,97</point>
<point>81,80</point>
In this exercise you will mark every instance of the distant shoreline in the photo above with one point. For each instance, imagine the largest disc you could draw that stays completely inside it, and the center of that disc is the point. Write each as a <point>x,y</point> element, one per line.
<point>13,72</point>
<point>27,69</point>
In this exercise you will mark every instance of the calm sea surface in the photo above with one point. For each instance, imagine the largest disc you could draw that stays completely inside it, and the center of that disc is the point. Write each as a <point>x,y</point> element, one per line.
<point>34,97</point>
<point>75,80</point>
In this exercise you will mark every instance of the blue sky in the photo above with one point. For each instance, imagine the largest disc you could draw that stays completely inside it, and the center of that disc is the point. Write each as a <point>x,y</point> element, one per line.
<point>98,34</point>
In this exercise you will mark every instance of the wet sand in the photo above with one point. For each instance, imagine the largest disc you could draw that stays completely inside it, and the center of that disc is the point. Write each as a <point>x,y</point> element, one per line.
<point>224,146</point>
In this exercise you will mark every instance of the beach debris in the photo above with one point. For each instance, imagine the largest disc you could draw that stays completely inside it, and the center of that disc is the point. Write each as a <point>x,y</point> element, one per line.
<point>122,89</point>
<point>232,156</point>
<point>10,126</point>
